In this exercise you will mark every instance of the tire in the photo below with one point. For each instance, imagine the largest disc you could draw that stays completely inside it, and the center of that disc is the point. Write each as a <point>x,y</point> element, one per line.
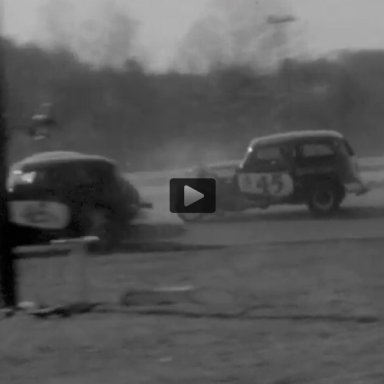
<point>325,198</point>
<point>100,222</point>
<point>191,217</point>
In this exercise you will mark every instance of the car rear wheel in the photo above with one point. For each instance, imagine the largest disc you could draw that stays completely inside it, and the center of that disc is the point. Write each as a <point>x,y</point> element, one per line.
<point>325,198</point>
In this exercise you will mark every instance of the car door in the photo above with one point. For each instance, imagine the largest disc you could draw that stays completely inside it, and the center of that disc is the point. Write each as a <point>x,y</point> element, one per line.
<point>267,172</point>
<point>316,157</point>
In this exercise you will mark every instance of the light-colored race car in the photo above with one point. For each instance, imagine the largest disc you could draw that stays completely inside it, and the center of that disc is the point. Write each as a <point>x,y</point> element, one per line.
<point>316,168</point>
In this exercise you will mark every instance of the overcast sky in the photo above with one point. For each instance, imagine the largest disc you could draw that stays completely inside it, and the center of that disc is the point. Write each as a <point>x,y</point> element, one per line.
<point>329,24</point>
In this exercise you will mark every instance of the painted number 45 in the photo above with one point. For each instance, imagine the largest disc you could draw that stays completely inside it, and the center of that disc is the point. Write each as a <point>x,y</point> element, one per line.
<point>272,184</point>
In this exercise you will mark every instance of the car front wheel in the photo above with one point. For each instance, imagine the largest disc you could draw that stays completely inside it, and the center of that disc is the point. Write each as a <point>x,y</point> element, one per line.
<point>325,198</point>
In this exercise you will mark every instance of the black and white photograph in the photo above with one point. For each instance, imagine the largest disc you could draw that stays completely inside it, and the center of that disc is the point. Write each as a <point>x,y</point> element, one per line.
<point>191,191</point>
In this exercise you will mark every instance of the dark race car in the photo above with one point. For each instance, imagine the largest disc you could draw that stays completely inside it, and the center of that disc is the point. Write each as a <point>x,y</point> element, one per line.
<point>68,194</point>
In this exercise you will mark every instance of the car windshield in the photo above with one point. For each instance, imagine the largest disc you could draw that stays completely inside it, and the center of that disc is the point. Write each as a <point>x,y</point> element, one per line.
<point>268,153</point>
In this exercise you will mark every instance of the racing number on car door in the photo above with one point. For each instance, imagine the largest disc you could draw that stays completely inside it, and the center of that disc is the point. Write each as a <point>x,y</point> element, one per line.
<point>270,184</point>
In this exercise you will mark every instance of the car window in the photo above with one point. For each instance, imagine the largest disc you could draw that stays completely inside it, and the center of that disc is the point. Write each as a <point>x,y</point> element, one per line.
<point>279,154</point>
<point>268,157</point>
<point>269,154</point>
<point>310,150</point>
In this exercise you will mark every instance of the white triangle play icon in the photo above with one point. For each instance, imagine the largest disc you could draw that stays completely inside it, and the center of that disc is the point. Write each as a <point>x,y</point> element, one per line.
<point>191,196</point>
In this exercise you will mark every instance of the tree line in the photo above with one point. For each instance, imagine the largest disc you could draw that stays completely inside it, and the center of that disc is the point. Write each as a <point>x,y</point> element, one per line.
<point>160,120</point>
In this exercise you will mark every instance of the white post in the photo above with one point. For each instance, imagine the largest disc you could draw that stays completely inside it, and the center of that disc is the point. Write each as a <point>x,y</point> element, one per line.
<point>77,291</point>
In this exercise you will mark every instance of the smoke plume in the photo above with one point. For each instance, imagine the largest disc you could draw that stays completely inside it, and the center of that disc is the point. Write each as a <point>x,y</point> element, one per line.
<point>241,33</point>
<point>97,31</point>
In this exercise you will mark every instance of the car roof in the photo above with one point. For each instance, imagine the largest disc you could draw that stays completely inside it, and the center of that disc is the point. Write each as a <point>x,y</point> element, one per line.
<point>44,158</point>
<point>279,138</point>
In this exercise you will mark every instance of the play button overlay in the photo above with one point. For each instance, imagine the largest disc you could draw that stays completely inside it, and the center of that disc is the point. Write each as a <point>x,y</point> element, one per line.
<point>191,196</point>
<point>195,195</point>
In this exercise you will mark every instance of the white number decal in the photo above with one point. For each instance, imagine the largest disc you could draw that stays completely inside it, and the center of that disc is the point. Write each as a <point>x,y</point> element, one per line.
<point>270,184</point>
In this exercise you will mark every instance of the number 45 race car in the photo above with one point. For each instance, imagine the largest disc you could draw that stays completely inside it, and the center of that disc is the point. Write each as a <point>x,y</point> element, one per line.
<point>316,168</point>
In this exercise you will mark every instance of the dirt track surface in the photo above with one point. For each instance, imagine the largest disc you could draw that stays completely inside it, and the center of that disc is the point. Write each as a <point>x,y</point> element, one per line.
<point>361,217</point>
<point>274,314</point>
<point>309,310</point>
<point>358,220</point>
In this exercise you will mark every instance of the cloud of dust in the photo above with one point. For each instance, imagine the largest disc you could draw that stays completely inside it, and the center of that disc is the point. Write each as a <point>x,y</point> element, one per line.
<point>239,33</point>
<point>97,31</point>
<point>185,154</point>
<point>231,32</point>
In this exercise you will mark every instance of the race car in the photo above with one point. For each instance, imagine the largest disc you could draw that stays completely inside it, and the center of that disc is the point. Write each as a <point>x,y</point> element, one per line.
<point>68,194</point>
<point>316,168</point>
